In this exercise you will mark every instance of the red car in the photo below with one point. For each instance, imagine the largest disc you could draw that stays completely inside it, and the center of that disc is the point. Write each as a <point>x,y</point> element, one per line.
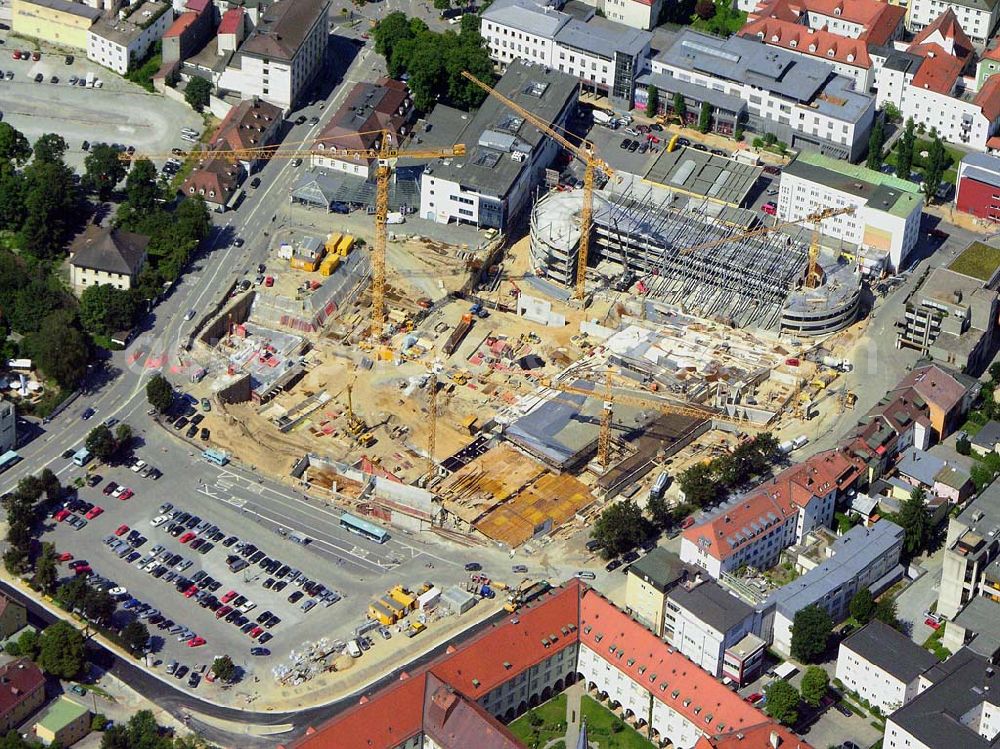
<point>753,698</point>
<point>122,530</point>
<point>255,632</point>
<point>230,595</point>
<point>191,591</point>
<point>61,515</point>
<point>196,642</point>
<point>112,485</point>
<point>16,54</point>
<point>65,557</point>
<point>933,624</point>
<point>770,208</point>
<point>127,494</point>
<point>186,537</point>
<point>36,56</point>
<point>84,570</point>
<point>94,512</point>
<point>223,610</point>
<point>687,522</point>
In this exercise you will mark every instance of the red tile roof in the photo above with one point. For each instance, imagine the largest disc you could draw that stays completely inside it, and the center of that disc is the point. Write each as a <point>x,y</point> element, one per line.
<point>775,501</point>
<point>250,124</point>
<point>798,38</point>
<point>935,385</point>
<point>993,144</point>
<point>755,737</point>
<point>667,674</point>
<point>881,21</point>
<point>369,108</point>
<point>19,680</point>
<point>939,71</point>
<point>197,5</point>
<point>454,722</point>
<point>988,99</point>
<point>180,25</point>
<point>232,21</point>
<point>215,180</point>
<point>947,32</point>
<point>993,53</point>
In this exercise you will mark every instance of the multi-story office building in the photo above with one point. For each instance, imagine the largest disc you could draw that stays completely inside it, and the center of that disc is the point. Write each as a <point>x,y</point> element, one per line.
<point>706,621</point>
<point>978,17</point>
<point>122,43</point>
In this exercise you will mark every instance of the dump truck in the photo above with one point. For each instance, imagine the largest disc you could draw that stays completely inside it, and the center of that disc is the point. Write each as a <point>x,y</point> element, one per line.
<point>458,334</point>
<point>526,593</point>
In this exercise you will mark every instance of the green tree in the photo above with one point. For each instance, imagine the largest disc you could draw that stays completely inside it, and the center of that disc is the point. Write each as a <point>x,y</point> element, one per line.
<point>891,112</point>
<point>994,371</point>
<point>49,205</point>
<point>28,643</point>
<point>224,668</point>
<point>135,637</point>
<point>863,606</point>
<point>915,521</point>
<point>652,101</point>
<point>50,485</point>
<point>50,148</point>
<point>937,161</point>
<point>705,117</point>
<point>704,9</point>
<point>159,393</point>
<point>876,141</point>
<point>782,702</point>
<point>680,106</point>
<point>699,484</point>
<point>12,189</point>
<point>61,650</point>
<point>103,170</point>
<point>105,310</point>
<point>198,93</point>
<point>442,4</point>
<point>885,612</point>
<point>14,147</point>
<point>815,685</point>
<point>101,442</point>
<point>98,606</point>
<point>46,572</point>
<point>660,511</point>
<point>60,349</point>
<point>904,150</point>
<point>72,593</point>
<point>141,190</point>
<point>123,436</point>
<point>811,630</point>
<point>963,446</point>
<point>621,527</point>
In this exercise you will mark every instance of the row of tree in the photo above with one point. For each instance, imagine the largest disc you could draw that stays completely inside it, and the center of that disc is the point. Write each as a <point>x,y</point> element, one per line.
<point>708,482</point>
<point>784,700</point>
<point>812,626</point>
<point>23,507</point>
<point>105,445</point>
<point>141,731</point>
<point>432,62</point>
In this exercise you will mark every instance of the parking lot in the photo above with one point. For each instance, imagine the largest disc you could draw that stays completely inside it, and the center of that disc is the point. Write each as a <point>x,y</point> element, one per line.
<point>118,112</point>
<point>254,521</point>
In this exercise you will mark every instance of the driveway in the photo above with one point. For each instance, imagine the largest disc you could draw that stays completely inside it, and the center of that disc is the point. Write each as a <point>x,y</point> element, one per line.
<point>919,597</point>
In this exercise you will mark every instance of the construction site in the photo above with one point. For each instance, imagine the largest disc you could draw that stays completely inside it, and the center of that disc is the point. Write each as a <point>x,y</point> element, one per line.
<point>491,391</point>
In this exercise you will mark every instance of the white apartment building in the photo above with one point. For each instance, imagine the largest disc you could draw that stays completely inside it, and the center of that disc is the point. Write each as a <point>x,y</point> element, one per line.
<point>123,43</point>
<point>802,101</point>
<point>8,426</point>
<point>639,14</point>
<point>882,666</point>
<point>978,17</point>
<point>604,55</point>
<point>283,54</point>
<point>506,156</point>
<point>887,209</point>
<point>707,620</point>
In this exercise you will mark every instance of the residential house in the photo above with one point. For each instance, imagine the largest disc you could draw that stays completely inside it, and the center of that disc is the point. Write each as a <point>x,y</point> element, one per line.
<point>882,666</point>
<point>249,127</point>
<point>189,31</point>
<point>978,17</point>
<point>925,83</point>
<point>64,723</point>
<point>13,615</point>
<point>231,31</point>
<point>956,706</point>
<point>747,84</point>
<point>639,14</point>
<point>650,580</point>
<point>506,157</point>
<point>898,421</point>
<point>283,54</point>
<point>861,558</point>
<point>987,439</point>
<point>217,181</point>
<point>22,692</point>
<point>754,529</point>
<point>887,210</point>
<point>951,318</point>
<point>102,256</point>
<point>935,475</point>
<point>121,44</point>
<point>706,621</point>
<point>569,37</point>
<point>949,395</point>
<point>369,110</point>
<point>987,65</point>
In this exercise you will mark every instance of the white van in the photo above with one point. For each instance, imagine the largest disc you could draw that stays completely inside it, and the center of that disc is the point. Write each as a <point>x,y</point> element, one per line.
<point>353,649</point>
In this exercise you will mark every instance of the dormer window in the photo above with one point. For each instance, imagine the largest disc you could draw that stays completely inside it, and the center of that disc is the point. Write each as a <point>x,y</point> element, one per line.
<point>775,38</point>
<point>794,43</point>
<point>812,47</point>
<point>836,11</point>
<point>760,34</point>
<point>191,189</point>
<point>850,58</point>
<point>211,193</point>
<point>829,53</point>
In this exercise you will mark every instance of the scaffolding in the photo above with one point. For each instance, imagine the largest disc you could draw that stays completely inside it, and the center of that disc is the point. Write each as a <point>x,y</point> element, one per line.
<point>743,282</point>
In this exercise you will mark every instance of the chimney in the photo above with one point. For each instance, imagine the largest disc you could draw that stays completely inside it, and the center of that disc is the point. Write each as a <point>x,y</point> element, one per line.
<point>775,741</point>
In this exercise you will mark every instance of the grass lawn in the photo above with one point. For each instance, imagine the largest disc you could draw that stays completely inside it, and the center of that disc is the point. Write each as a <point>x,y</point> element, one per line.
<point>599,728</point>
<point>979,261</point>
<point>553,725</point>
<point>954,156</point>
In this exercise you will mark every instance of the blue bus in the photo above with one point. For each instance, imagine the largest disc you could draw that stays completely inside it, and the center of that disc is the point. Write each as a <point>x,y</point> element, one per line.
<point>8,460</point>
<point>215,456</point>
<point>363,528</point>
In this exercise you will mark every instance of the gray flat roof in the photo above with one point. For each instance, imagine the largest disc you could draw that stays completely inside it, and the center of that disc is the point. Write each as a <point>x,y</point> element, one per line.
<point>752,62</point>
<point>63,6</point>
<point>852,552</point>
<point>982,167</point>
<point>441,128</point>
<point>488,167</point>
<point>124,31</point>
<point>712,604</point>
<point>536,18</point>
<point>982,616</point>
<point>660,568</point>
<point>602,37</point>
<point>891,651</point>
<point>705,174</point>
<point>937,716</point>
<point>881,196</point>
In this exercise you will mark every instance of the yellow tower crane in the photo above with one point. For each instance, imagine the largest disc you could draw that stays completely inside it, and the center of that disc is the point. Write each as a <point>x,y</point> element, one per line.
<point>432,384</point>
<point>586,153</point>
<point>641,400</point>
<point>384,152</point>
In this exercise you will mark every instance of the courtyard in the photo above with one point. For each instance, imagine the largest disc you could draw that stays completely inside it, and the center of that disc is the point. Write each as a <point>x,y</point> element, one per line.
<point>556,724</point>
